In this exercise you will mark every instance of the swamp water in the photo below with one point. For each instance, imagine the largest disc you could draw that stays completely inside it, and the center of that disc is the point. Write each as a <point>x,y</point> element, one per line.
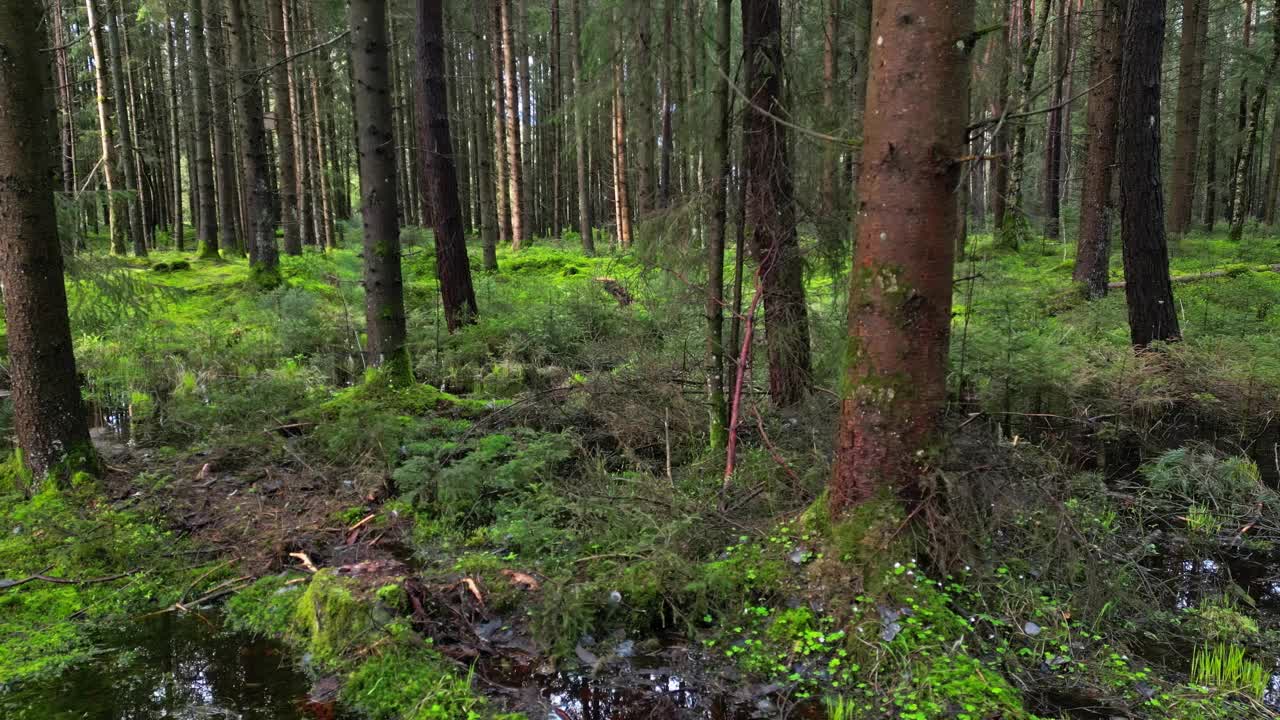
<point>179,667</point>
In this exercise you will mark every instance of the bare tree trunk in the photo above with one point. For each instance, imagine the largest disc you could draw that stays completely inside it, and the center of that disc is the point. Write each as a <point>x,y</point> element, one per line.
<point>1148,291</point>
<point>830,224</point>
<point>128,161</point>
<point>1093,250</point>
<point>771,205</point>
<point>585,220</point>
<point>1242,116</point>
<point>1238,202</point>
<point>66,119</point>
<point>287,161</point>
<point>1059,131</point>
<point>1000,138</point>
<point>383,284</point>
<point>1209,216</point>
<point>664,167</point>
<point>174,33</point>
<point>1015,228</point>
<point>49,416</point>
<point>453,270</point>
<point>1186,119</point>
<point>515,169</point>
<point>260,230</point>
<point>717,217</point>
<point>900,293</point>
<point>621,185</point>
<point>501,165</point>
<point>225,170</point>
<point>118,213</point>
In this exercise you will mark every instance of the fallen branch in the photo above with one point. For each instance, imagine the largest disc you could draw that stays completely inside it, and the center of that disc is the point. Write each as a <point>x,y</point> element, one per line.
<point>6,584</point>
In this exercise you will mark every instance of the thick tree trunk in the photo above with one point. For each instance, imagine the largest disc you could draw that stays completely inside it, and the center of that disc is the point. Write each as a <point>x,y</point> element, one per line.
<point>771,205</point>
<point>49,416</point>
<point>1186,119</point>
<point>515,164</point>
<point>118,213</point>
<point>900,291</point>
<point>1093,251</point>
<point>286,159</point>
<point>453,270</point>
<point>260,229</point>
<point>383,284</point>
<point>1152,314</point>
<point>716,220</point>
<point>585,220</point>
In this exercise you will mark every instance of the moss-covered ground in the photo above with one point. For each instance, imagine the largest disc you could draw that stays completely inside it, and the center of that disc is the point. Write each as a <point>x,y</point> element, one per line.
<point>543,495</point>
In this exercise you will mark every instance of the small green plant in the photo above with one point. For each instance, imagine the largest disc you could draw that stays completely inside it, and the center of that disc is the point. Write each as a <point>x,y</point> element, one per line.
<point>839,708</point>
<point>1226,667</point>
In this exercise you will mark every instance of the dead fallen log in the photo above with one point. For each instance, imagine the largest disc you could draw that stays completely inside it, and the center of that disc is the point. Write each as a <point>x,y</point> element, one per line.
<point>1210,275</point>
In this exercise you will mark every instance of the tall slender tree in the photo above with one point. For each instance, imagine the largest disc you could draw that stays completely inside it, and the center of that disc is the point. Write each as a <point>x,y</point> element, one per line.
<point>1148,290</point>
<point>1187,117</point>
<point>515,163</point>
<point>260,225</point>
<point>771,205</point>
<point>383,283</point>
<point>717,217</point>
<point>124,116</point>
<point>280,86</point>
<point>900,290</point>
<point>453,270</point>
<point>581,161</point>
<point>206,219</point>
<point>1244,160</point>
<point>1093,252</point>
<point>117,211</point>
<point>49,415</point>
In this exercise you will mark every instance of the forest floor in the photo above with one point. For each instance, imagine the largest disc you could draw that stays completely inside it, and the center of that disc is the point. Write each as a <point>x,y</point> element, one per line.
<point>536,525</point>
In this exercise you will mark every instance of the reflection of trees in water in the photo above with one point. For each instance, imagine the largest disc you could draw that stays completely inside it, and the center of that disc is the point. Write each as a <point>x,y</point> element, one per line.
<point>172,666</point>
<point>638,697</point>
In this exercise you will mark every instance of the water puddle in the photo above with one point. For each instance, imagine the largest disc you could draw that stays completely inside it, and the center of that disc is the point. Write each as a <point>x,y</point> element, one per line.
<point>176,667</point>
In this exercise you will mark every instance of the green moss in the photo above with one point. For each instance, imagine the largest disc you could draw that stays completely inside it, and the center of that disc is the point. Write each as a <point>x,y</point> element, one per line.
<point>330,621</point>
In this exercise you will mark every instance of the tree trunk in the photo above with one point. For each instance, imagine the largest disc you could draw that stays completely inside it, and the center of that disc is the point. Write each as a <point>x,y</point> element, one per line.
<point>260,230</point>
<point>118,213</point>
<point>224,170</point>
<point>1014,230</point>
<point>286,159</point>
<point>1244,161</point>
<point>1054,152</point>
<point>1093,251</point>
<point>66,119</point>
<point>585,220</point>
<point>1186,119</point>
<point>771,206</point>
<point>1209,215</point>
<point>1242,115</point>
<point>1000,137</point>
<point>1152,314</point>
<point>128,161</point>
<point>500,163</point>
<point>900,291</point>
<point>176,37</point>
<point>383,284</point>
<point>485,144</point>
<point>515,165</point>
<point>49,416</point>
<point>716,220</point>
<point>621,184</point>
<point>830,223</point>
<point>453,270</point>
<point>667,130</point>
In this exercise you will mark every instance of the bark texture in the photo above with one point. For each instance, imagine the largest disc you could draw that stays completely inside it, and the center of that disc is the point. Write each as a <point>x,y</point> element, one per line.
<point>1152,314</point>
<point>585,220</point>
<point>900,291</point>
<point>383,284</point>
<point>771,205</point>
<point>49,415</point>
<point>287,159</point>
<point>1093,251</point>
<point>1187,118</point>
<point>260,224</point>
<point>453,269</point>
